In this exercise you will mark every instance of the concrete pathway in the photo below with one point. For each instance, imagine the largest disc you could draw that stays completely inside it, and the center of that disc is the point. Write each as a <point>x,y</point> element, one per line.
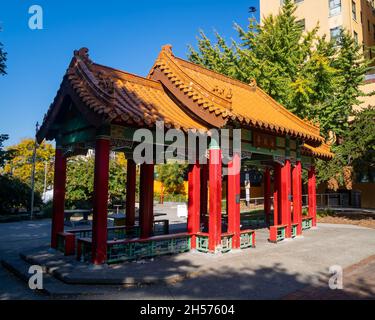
<point>268,272</point>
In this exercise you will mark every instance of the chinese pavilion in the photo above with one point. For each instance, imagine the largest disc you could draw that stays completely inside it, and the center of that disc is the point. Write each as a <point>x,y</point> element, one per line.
<point>98,107</point>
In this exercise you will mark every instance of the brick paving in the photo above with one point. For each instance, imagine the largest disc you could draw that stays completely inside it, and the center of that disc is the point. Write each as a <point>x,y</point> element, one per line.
<point>358,283</point>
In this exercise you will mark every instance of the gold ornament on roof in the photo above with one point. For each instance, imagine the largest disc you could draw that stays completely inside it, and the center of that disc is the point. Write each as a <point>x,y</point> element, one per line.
<point>227,93</point>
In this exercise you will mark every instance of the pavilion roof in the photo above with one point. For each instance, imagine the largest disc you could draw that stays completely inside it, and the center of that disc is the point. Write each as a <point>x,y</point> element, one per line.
<point>119,97</point>
<point>323,151</point>
<point>231,99</point>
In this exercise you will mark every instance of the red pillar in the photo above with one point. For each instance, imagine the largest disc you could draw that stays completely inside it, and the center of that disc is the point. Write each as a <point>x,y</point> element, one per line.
<point>297,196</point>
<point>276,194</point>
<point>58,196</point>
<point>267,194</point>
<point>100,201</point>
<point>146,204</point>
<point>233,199</point>
<point>214,224</point>
<point>204,193</point>
<point>312,195</point>
<point>193,221</point>
<point>130,193</point>
<point>285,193</point>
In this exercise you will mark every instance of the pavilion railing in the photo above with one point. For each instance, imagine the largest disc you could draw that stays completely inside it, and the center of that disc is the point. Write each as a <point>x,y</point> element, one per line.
<point>161,227</point>
<point>293,230</point>
<point>306,223</point>
<point>247,239</point>
<point>134,249</point>
<point>202,241</point>
<point>226,242</point>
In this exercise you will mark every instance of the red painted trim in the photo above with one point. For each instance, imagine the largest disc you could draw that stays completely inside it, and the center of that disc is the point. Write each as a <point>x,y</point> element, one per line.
<point>285,192</point>
<point>100,201</point>
<point>204,194</point>
<point>58,196</point>
<point>233,193</point>
<point>297,196</point>
<point>146,205</point>
<point>312,194</point>
<point>267,194</point>
<point>276,194</point>
<point>131,176</point>
<point>215,186</point>
<point>194,192</point>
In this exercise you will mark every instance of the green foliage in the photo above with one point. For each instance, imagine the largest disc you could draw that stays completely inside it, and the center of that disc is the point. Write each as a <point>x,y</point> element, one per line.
<point>356,152</point>
<point>172,175</point>
<point>19,163</point>
<point>15,194</point>
<point>313,78</point>
<point>3,59</point>
<point>5,155</point>
<point>80,182</point>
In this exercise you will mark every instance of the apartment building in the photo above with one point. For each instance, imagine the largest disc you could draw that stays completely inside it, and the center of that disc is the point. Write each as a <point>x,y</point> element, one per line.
<point>357,16</point>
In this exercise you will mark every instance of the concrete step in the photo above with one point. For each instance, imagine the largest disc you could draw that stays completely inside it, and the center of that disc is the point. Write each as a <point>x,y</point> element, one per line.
<point>132,274</point>
<point>51,286</point>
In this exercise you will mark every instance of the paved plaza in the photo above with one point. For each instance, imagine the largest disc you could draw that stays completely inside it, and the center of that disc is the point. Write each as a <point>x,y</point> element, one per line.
<point>296,268</point>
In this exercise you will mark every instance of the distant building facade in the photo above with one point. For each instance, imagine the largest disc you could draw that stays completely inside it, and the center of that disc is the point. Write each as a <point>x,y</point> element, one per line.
<point>356,16</point>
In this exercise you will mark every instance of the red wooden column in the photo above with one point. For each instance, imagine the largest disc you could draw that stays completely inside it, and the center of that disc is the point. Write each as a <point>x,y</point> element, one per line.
<point>193,221</point>
<point>58,196</point>
<point>285,193</point>
<point>297,196</point>
<point>100,201</point>
<point>276,194</point>
<point>312,195</point>
<point>204,193</point>
<point>267,194</point>
<point>146,204</point>
<point>131,176</point>
<point>214,224</point>
<point>233,199</point>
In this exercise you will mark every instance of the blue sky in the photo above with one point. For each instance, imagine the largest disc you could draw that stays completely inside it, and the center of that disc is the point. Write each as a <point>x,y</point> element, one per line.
<point>123,34</point>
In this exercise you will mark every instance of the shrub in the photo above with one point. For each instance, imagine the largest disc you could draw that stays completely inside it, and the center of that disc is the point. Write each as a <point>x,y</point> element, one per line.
<point>15,194</point>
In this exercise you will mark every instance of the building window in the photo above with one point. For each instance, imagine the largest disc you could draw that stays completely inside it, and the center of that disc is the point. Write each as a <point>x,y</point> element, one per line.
<point>373,30</point>
<point>355,35</point>
<point>354,11</point>
<point>335,33</point>
<point>302,24</point>
<point>334,7</point>
<point>368,25</point>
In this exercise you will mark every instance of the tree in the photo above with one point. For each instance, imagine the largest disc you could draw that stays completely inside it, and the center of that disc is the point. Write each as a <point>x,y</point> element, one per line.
<point>356,152</point>
<point>5,155</point>
<point>15,194</point>
<point>20,164</point>
<point>3,59</point>
<point>172,175</point>
<point>80,181</point>
<point>313,78</point>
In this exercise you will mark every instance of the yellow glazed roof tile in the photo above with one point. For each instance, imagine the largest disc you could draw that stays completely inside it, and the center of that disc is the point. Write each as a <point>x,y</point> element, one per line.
<point>231,98</point>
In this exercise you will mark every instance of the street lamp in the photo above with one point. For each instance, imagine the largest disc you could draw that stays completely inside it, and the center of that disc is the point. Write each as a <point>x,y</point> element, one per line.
<point>33,173</point>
